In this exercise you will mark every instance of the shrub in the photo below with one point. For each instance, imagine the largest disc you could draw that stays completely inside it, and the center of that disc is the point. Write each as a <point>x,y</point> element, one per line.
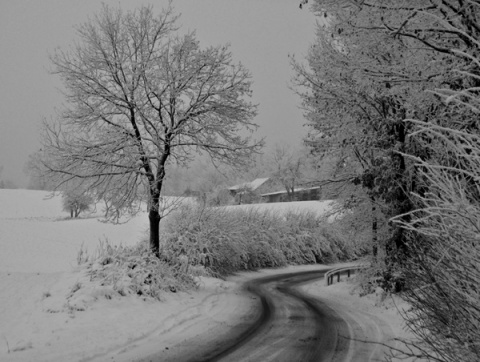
<point>443,269</point>
<point>210,241</point>
<point>227,241</point>
<point>76,202</point>
<point>136,270</point>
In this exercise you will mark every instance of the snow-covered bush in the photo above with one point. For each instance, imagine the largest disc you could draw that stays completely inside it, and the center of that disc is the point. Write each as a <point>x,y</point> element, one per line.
<point>223,241</point>
<point>136,270</point>
<point>76,202</point>
<point>443,271</point>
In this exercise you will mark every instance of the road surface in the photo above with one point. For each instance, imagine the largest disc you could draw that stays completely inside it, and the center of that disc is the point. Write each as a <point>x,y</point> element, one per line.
<point>288,324</point>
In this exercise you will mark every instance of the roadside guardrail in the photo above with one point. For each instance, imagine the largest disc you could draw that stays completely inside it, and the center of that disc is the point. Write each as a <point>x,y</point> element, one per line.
<point>345,270</point>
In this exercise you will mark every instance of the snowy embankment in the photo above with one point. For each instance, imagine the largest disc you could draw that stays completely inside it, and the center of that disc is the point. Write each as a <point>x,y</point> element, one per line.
<point>40,319</point>
<point>50,311</point>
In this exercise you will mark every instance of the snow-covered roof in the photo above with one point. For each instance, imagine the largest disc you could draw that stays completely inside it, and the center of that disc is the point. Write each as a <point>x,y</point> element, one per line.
<point>296,190</point>
<point>255,184</point>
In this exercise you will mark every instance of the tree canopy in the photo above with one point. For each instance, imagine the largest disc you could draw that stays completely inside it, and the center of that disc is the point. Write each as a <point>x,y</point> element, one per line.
<point>394,84</point>
<point>138,97</point>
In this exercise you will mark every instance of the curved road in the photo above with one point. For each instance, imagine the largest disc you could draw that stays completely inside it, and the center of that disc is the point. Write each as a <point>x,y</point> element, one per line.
<point>294,326</point>
<point>290,325</point>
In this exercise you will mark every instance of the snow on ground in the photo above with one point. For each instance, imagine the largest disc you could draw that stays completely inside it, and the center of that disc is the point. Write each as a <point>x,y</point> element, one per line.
<point>42,320</point>
<point>377,315</point>
<point>37,236</point>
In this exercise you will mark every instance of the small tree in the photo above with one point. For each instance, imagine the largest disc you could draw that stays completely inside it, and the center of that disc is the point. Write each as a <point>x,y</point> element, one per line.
<point>288,165</point>
<point>245,195</point>
<point>139,99</point>
<point>76,202</point>
<point>219,196</point>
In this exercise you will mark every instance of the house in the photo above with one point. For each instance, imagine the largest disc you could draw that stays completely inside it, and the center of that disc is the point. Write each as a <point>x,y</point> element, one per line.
<point>251,186</point>
<point>300,194</point>
<point>271,190</point>
<point>250,192</point>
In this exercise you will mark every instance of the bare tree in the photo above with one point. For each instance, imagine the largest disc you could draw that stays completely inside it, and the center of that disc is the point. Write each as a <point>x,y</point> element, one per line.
<point>34,168</point>
<point>76,201</point>
<point>288,165</point>
<point>139,97</point>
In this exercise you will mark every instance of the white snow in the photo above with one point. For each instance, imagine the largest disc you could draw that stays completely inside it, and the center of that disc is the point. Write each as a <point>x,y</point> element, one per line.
<point>37,236</point>
<point>41,320</point>
<point>38,270</point>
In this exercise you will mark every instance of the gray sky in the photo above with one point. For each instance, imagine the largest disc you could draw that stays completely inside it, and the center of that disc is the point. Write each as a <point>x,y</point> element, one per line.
<point>261,32</point>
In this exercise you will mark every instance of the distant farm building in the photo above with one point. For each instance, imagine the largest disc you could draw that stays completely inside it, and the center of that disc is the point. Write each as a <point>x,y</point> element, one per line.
<point>300,194</point>
<point>271,190</point>
<point>250,192</point>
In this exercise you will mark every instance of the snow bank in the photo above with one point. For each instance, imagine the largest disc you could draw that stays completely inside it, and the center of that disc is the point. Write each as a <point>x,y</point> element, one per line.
<point>43,320</point>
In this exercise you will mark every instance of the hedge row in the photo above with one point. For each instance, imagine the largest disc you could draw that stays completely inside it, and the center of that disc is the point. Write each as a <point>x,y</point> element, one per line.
<point>224,241</point>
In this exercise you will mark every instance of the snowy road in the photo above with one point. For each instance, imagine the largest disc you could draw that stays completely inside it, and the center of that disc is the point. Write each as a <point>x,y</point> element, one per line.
<point>289,325</point>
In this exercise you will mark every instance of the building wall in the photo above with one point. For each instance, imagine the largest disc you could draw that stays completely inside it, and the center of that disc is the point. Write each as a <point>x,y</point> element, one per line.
<point>301,195</point>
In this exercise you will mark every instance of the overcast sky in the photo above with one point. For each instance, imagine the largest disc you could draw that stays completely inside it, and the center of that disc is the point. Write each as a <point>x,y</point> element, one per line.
<point>262,34</point>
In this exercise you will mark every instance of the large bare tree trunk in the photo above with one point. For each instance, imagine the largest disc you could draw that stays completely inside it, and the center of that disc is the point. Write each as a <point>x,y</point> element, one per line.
<point>154,217</point>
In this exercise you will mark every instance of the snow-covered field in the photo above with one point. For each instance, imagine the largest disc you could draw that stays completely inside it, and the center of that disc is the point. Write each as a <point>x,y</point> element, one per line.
<point>41,321</point>
<point>37,236</point>
<point>38,271</point>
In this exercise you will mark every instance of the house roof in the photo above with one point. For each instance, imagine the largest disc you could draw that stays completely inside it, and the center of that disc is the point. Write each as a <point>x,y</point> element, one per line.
<point>255,184</point>
<point>284,191</point>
